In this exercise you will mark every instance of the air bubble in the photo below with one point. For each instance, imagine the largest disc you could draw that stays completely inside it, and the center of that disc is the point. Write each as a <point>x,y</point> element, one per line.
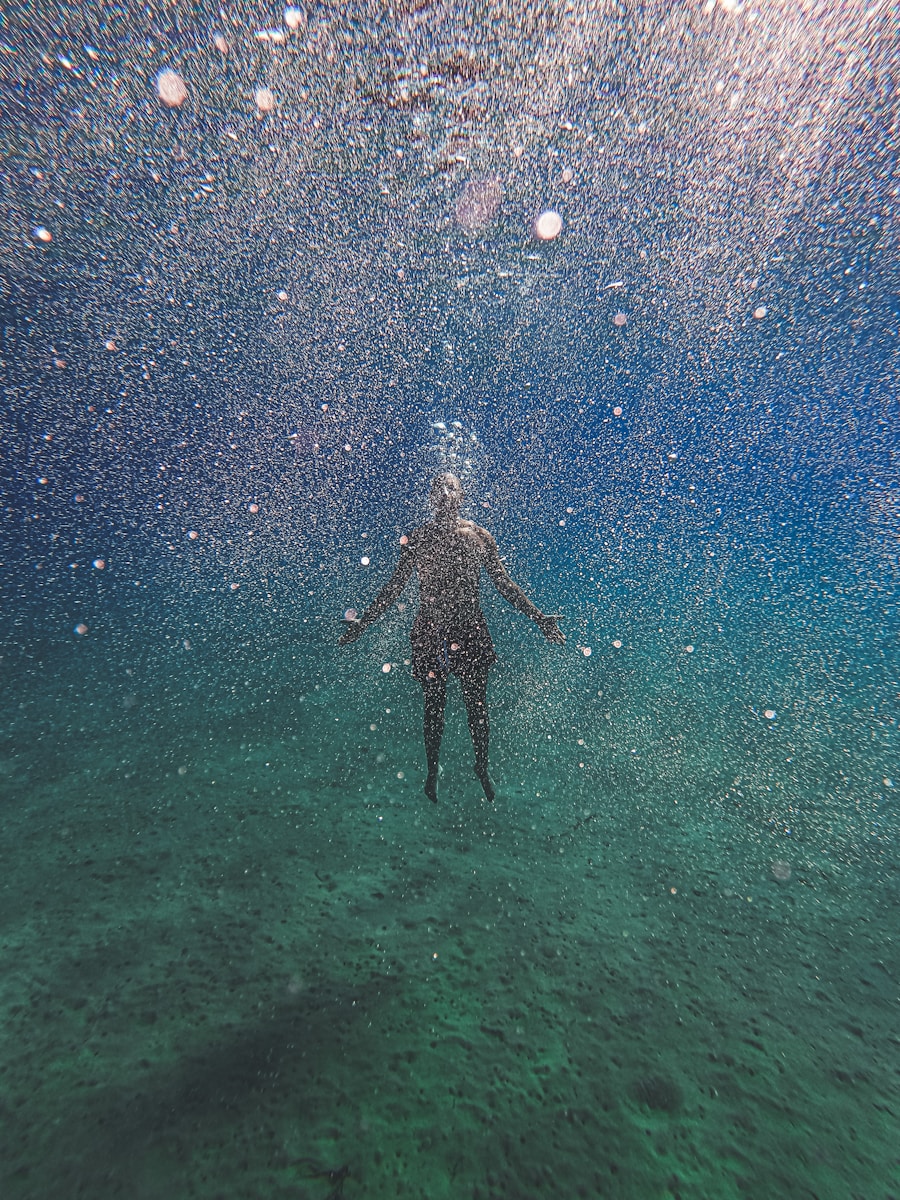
<point>548,226</point>
<point>265,99</point>
<point>171,88</point>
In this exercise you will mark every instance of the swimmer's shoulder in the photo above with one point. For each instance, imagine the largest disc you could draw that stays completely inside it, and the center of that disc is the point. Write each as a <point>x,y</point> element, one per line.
<point>414,539</point>
<point>485,541</point>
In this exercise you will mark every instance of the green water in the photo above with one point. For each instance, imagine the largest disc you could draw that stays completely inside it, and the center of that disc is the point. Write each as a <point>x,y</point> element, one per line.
<point>242,949</point>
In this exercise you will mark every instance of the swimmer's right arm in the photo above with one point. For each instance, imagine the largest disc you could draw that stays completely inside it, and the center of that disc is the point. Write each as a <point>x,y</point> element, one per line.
<point>383,601</point>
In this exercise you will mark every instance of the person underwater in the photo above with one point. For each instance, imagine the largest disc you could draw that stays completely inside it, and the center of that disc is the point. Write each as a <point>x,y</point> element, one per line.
<point>450,635</point>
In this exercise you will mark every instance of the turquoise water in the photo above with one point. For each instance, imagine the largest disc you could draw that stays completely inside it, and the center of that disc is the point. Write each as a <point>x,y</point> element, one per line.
<point>242,954</point>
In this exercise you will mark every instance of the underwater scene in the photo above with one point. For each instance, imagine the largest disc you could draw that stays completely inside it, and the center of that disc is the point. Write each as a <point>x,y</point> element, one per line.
<point>397,389</point>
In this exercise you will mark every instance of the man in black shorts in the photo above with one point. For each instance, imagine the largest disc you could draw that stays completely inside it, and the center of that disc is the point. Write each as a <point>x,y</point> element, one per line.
<point>450,634</point>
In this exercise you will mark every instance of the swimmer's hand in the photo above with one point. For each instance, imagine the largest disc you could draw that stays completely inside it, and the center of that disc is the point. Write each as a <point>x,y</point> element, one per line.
<point>549,628</point>
<point>351,633</point>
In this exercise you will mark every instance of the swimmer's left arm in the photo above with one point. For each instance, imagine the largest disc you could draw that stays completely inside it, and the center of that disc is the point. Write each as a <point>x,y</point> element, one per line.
<point>385,598</point>
<point>509,590</point>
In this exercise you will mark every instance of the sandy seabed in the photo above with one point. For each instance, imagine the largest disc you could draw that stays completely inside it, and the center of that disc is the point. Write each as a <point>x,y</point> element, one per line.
<point>247,958</point>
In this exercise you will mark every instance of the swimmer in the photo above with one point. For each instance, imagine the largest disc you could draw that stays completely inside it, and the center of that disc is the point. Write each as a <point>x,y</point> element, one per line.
<point>450,634</point>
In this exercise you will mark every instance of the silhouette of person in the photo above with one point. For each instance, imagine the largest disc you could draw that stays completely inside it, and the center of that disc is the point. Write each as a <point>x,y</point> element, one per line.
<point>450,634</point>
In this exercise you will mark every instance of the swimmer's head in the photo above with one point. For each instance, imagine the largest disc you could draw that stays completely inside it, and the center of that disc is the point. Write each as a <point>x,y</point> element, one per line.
<point>446,493</point>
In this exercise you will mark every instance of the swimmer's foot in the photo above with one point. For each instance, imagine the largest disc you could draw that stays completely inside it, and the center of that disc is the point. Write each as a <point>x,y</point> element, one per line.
<point>485,782</point>
<point>431,786</point>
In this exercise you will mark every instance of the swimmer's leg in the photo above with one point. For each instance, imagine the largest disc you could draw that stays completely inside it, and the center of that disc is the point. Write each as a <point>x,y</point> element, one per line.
<point>434,694</point>
<point>474,690</point>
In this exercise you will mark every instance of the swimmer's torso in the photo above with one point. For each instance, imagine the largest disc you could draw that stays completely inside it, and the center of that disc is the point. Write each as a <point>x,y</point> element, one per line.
<point>448,561</point>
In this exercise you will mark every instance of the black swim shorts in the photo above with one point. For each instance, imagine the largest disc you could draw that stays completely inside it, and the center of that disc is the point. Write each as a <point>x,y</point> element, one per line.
<point>464,649</point>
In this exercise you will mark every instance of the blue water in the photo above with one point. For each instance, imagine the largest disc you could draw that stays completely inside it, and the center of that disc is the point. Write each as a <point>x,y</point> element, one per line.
<point>242,954</point>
